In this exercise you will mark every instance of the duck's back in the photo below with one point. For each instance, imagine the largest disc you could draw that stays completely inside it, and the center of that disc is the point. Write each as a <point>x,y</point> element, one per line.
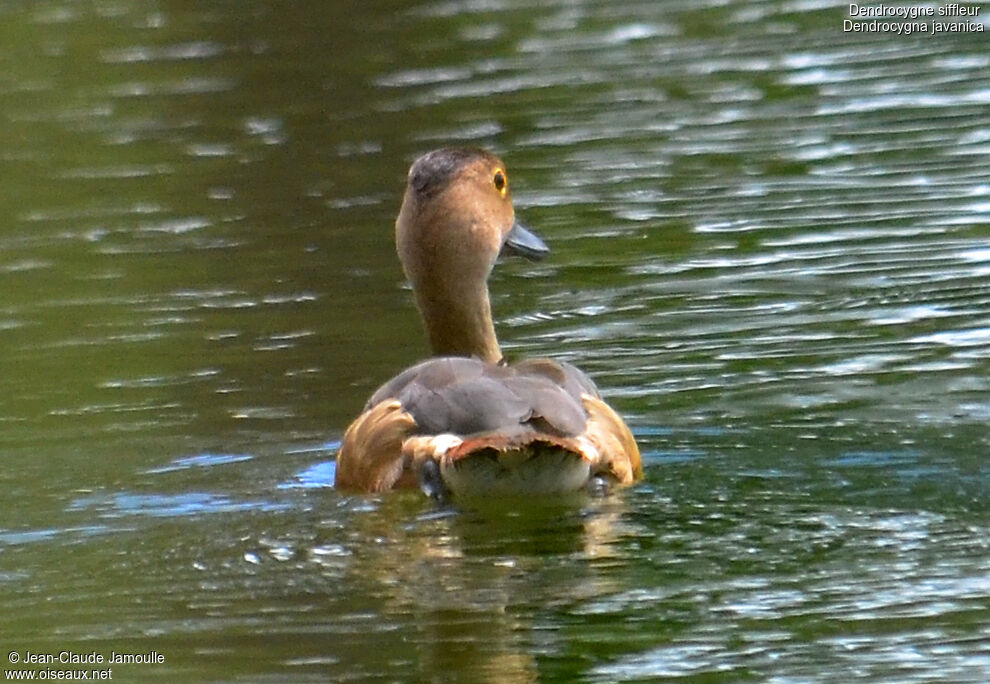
<point>464,397</point>
<point>531,426</point>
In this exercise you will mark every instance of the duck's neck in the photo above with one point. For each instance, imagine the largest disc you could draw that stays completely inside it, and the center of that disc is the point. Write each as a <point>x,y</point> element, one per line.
<point>460,324</point>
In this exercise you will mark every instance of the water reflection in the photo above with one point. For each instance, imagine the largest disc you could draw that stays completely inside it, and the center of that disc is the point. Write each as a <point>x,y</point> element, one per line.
<point>462,581</point>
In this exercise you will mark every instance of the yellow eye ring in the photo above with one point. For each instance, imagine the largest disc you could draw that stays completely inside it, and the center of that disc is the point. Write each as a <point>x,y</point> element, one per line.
<point>500,181</point>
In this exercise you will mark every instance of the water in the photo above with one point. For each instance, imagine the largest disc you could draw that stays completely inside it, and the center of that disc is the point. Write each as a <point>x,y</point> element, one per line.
<point>770,248</point>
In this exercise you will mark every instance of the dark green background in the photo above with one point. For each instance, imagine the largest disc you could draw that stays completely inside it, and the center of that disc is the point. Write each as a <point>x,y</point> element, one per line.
<point>770,248</point>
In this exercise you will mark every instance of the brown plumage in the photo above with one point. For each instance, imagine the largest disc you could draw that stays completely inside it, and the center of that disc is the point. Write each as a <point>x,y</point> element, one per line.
<point>465,423</point>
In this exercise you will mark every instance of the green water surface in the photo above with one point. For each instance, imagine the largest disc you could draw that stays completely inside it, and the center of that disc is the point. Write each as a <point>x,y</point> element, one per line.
<point>771,249</point>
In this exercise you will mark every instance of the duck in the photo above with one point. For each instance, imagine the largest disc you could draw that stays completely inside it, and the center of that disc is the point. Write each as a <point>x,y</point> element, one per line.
<point>466,422</point>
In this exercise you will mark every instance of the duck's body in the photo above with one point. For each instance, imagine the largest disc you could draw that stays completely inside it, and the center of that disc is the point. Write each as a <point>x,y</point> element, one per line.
<point>466,423</point>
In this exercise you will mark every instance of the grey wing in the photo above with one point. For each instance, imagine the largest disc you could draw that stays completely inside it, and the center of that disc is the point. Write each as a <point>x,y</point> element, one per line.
<point>467,396</point>
<point>431,373</point>
<point>575,381</point>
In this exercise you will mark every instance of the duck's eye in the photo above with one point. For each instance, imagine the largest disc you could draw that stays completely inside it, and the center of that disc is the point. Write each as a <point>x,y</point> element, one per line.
<point>500,181</point>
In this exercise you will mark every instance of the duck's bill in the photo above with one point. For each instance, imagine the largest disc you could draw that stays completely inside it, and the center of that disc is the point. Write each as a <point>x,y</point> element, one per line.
<point>523,242</point>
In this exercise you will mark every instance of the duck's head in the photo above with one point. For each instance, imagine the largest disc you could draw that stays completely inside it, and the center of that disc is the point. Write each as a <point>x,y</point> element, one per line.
<point>456,218</point>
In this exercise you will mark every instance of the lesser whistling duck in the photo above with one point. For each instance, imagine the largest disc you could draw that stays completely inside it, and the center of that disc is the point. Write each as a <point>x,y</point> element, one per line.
<point>466,422</point>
